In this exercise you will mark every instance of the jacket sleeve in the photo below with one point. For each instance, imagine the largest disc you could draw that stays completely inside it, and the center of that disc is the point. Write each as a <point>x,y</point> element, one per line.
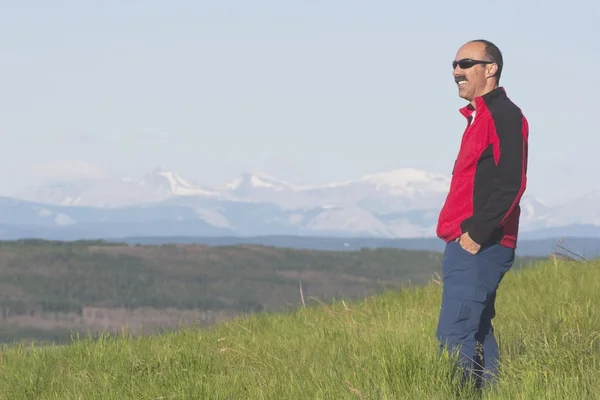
<point>510,179</point>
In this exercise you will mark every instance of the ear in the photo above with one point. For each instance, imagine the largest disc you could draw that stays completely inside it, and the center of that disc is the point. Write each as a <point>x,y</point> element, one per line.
<point>491,70</point>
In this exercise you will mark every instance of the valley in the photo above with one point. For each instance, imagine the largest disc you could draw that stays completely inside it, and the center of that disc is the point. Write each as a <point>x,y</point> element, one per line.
<point>52,289</point>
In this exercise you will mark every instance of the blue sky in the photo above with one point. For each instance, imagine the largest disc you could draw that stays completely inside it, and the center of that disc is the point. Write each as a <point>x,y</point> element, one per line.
<point>307,91</point>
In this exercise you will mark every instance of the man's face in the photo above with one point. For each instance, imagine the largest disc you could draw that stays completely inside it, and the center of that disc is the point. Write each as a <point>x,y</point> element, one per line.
<point>473,80</point>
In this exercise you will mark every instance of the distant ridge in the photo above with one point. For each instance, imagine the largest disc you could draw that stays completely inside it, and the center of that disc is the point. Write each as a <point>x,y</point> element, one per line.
<point>587,247</point>
<point>400,203</point>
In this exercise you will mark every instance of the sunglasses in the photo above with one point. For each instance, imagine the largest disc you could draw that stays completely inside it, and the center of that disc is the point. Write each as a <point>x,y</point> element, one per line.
<point>467,63</point>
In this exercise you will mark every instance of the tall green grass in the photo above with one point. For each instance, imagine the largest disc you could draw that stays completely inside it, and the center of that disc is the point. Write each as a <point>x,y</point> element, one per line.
<point>548,327</point>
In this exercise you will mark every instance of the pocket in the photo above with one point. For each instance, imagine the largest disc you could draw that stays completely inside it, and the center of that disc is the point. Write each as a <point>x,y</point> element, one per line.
<point>458,261</point>
<point>463,251</point>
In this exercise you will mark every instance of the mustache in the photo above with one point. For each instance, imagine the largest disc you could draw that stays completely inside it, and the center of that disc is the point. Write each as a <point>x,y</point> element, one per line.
<point>460,78</point>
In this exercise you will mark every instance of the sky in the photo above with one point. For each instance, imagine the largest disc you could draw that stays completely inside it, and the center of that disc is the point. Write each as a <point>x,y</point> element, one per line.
<point>305,91</point>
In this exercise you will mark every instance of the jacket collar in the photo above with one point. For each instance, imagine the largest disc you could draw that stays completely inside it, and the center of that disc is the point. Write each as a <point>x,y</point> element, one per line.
<point>482,102</point>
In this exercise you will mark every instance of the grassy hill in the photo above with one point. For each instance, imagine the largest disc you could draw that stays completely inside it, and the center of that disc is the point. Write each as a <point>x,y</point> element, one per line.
<point>380,347</point>
<point>50,289</point>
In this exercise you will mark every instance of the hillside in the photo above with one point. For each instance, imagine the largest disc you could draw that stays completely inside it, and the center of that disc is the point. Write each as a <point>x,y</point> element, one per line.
<point>382,347</point>
<point>49,289</point>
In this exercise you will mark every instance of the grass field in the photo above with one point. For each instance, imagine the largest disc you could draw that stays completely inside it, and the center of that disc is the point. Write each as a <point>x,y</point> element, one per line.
<point>548,327</point>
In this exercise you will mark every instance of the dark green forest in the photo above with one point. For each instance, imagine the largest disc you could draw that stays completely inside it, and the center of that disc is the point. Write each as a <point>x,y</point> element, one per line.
<point>49,290</point>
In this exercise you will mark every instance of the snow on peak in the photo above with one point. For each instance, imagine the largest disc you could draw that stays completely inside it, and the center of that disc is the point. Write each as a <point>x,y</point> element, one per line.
<point>175,184</point>
<point>404,176</point>
<point>234,184</point>
<point>404,181</point>
<point>407,181</point>
<point>257,181</point>
<point>175,180</point>
<point>401,178</point>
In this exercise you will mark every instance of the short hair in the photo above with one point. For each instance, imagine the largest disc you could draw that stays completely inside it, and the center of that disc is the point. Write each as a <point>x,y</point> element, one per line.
<point>493,54</point>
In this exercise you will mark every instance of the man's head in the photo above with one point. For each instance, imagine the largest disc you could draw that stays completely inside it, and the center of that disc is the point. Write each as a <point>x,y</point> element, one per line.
<point>477,68</point>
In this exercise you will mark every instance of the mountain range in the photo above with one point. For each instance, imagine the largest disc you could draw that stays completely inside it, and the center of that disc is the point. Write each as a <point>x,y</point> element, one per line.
<point>402,203</point>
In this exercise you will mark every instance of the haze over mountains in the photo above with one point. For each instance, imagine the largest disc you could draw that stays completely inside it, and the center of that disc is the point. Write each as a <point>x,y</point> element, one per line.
<point>402,203</point>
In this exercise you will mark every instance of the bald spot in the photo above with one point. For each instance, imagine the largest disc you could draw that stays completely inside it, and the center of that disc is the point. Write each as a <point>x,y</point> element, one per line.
<point>476,51</point>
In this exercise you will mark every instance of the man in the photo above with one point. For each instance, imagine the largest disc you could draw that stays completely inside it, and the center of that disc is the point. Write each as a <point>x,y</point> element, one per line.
<point>480,219</point>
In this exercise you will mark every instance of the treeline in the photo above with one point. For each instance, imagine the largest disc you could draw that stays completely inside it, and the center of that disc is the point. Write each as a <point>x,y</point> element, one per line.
<point>38,278</point>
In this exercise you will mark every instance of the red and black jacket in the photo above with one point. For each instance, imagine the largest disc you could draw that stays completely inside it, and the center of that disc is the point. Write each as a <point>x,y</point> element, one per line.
<point>489,175</point>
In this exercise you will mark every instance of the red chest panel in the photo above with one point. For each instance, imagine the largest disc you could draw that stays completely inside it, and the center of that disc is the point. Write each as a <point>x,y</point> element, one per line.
<point>476,139</point>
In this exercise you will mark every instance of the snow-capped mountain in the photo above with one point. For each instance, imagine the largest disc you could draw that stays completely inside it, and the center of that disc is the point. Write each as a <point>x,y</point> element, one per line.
<point>399,203</point>
<point>583,210</point>
<point>259,187</point>
<point>157,185</point>
<point>395,191</point>
<point>166,184</point>
<point>257,181</point>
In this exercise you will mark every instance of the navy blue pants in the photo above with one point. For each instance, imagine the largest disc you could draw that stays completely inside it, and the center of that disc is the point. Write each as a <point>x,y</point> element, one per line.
<point>468,298</point>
